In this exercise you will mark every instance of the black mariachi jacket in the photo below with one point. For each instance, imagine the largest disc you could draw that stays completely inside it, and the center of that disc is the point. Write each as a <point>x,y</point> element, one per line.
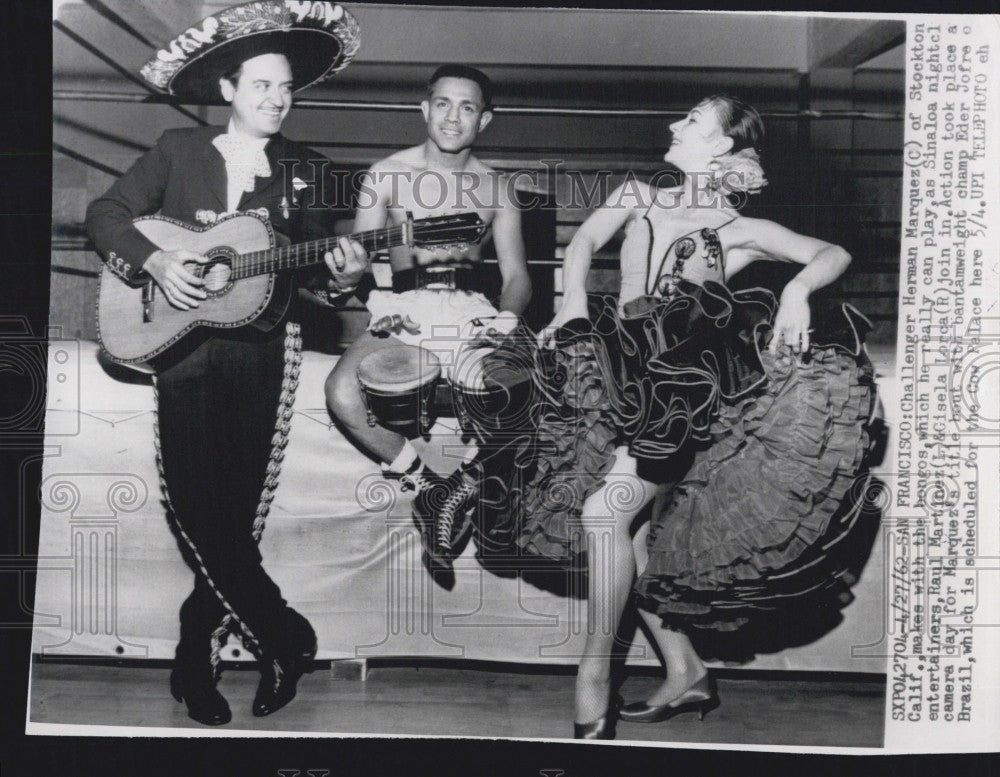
<point>184,178</point>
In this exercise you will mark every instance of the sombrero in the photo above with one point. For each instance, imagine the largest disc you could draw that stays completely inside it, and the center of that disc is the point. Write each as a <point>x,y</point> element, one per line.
<point>319,38</point>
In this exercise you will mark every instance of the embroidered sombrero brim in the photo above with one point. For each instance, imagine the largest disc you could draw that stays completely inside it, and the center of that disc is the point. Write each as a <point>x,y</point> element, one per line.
<point>319,39</point>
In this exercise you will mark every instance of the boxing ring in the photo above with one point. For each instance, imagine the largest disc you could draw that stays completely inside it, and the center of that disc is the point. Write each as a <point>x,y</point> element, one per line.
<point>339,538</point>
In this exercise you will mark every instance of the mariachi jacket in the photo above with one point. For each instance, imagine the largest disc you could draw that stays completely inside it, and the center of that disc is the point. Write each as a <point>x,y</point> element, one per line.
<point>184,177</point>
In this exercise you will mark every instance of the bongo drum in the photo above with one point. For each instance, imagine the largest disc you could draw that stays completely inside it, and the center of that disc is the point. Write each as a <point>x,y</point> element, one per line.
<point>490,396</point>
<point>397,384</point>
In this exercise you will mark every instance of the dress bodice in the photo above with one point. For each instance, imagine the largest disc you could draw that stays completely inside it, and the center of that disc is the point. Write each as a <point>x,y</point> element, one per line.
<point>696,257</point>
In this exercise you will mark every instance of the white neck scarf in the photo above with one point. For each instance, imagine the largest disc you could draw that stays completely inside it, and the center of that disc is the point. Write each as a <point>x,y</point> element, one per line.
<point>245,162</point>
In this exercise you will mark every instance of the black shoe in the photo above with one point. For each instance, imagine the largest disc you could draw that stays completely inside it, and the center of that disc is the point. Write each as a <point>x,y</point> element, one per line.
<point>442,510</point>
<point>431,492</point>
<point>279,678</point>
<point>455,515</point>
<point>603,727</point>
<point>204,702</point>
<point>700,697</point>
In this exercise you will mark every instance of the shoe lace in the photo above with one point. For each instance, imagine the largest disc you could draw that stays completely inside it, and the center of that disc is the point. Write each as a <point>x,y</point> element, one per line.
<point>446,517</point>
<point>278,672</point>
<point>416,482</point>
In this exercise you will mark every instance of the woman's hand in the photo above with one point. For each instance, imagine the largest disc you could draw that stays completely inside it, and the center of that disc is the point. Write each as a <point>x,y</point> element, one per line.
<point>791,324</point>
<point>572,307</point>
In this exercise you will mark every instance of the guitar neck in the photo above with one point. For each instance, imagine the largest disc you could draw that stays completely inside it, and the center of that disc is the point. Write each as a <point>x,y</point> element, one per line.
<point>307,254</point>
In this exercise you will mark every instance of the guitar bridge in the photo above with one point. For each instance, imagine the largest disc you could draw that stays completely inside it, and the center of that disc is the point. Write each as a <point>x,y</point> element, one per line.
<point>148,293</point>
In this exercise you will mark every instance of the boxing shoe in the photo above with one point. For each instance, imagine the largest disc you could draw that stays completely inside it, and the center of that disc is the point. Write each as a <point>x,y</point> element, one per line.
<point>443,510</point>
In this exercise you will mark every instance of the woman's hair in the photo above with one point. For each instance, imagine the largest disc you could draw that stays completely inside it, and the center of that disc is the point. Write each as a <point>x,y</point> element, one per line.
<point>739,121</point>
<point>739,171</point>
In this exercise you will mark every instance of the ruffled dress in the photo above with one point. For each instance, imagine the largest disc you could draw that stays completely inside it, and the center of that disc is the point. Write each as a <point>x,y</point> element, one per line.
<point>756,452</point>
<point>770,509</point>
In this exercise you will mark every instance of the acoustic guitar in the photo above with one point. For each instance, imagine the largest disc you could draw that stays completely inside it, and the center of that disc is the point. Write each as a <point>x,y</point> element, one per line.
<point>245,277</point>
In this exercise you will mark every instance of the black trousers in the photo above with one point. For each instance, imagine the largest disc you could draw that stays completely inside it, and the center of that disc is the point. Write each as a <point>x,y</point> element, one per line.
<point>217,409</point>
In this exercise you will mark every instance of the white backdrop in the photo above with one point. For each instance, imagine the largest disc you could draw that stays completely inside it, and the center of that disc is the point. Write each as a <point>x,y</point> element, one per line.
<point>111,578</point>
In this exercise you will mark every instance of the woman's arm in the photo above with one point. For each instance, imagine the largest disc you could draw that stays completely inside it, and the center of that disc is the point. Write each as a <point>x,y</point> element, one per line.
<point>824,263</point>
<point>592,235</point>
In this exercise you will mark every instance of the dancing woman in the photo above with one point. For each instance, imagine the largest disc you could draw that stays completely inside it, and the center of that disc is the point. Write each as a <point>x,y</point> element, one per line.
<point>664,378</point>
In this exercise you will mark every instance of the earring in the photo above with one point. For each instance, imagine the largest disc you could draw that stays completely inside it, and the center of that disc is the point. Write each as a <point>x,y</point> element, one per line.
<point>715,170</point>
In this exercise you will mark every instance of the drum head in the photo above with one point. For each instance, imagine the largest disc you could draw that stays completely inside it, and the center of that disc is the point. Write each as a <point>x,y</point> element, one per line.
<point>476,372</point>
<point>469,373</point>
<point>399,368</point>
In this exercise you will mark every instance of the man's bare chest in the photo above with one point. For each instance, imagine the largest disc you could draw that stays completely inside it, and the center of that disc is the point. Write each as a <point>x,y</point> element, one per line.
<point>434,193</point>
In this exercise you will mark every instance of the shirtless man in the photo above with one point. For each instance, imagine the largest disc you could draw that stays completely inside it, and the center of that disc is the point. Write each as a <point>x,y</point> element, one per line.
<point>440,176</point>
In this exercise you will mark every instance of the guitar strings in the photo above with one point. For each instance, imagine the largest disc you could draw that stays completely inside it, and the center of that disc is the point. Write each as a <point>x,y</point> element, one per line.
<point>260,262</point>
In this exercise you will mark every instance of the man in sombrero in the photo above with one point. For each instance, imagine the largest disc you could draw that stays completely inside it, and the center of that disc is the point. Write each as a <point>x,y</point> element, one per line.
<point>224,404</point>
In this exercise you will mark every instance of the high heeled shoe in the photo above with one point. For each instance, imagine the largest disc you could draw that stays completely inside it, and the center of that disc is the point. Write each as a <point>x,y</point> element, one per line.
<point>604,726</point>
<point>701,697</point>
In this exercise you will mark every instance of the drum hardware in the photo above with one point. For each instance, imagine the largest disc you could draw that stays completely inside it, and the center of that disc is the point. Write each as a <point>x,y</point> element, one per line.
<point>397,386</point>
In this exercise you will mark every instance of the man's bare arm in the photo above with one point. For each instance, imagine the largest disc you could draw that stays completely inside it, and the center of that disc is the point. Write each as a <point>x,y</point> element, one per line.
<point>509,242</point>
<point>373,199</point>
<point>348,262</point>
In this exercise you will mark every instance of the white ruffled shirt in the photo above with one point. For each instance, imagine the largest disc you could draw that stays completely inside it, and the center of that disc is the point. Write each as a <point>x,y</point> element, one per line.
<point>245,162</point>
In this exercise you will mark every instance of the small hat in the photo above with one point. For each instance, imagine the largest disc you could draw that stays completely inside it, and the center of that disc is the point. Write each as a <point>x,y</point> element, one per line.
<point>319,38</point>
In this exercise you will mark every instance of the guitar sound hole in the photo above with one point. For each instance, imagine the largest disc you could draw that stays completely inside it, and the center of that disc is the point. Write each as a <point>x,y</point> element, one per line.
<point>217,274</point>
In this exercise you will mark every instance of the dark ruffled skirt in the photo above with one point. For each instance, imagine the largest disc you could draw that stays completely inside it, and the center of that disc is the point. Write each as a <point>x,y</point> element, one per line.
<point>756,452</point>
<point>652,379</point>
<point>757,521</point>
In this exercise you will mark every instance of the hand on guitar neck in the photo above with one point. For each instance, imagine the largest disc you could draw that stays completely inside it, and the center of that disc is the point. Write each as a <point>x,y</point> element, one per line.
<point>348,263</point>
